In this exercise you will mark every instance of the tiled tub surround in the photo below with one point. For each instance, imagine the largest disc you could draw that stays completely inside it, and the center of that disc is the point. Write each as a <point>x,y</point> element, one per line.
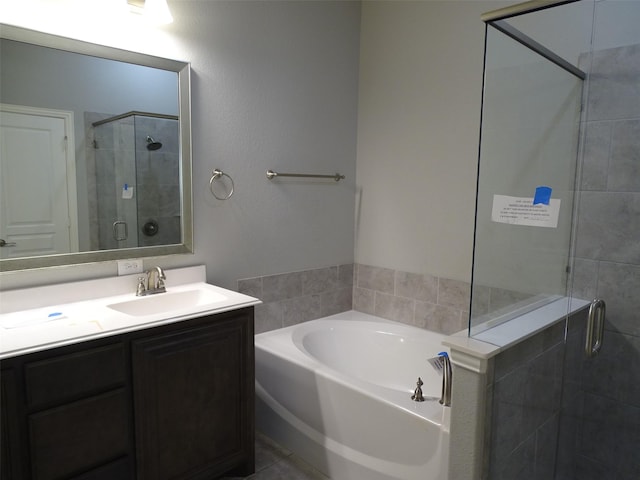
<point>422,300</point>
<point>425,301</point>
<point>292,298</point>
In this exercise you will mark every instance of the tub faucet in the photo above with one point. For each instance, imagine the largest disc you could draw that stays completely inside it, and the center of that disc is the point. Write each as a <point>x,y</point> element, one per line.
<point>417,393</point>
<point>447,375</point>
<point>154,282</point>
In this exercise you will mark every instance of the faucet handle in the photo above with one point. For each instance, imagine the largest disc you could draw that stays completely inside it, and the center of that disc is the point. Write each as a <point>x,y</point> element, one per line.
<point>417,393</point>
<point>141,287</point>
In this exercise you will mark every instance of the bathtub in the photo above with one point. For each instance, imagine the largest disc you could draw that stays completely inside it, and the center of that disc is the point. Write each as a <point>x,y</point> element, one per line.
<point>337,392</point>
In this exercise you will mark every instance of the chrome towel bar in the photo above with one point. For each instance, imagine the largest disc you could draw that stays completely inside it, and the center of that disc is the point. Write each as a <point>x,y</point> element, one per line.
<point>271,175</point>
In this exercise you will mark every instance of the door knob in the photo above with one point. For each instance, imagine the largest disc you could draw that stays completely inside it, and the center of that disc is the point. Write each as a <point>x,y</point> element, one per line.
<point>3,243</point>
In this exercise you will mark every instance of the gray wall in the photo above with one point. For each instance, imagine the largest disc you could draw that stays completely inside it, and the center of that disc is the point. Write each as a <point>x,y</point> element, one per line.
<point>274,86</point>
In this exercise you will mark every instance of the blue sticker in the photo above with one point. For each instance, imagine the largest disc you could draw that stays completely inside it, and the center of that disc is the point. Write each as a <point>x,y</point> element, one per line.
<point>543,195</point>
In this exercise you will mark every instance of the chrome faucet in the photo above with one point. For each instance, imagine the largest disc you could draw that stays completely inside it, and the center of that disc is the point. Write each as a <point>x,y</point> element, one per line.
<point>154,282</point>
<point>447,377</point>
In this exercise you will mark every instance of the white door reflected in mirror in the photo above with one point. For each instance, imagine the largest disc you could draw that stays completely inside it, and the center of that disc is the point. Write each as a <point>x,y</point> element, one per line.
<point>41,219</point>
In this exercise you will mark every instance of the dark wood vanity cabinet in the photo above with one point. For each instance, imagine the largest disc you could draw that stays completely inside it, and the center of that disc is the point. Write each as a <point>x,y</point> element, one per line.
<point>168,402</point>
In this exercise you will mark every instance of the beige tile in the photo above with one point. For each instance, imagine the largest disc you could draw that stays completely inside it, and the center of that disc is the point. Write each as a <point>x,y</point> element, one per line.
<point>300,309</point>
<point>438,318</point>
<point>319,280</point>
<point>282,286</point>
<point>346,275</point>
<point>364,300</point>
<point>336,301</point>
<point>416,286</point>
<point>394,308</point>
<point>454,293</point>
<point>375,278</point>
<point>251,287</point>
<point>268,316</point>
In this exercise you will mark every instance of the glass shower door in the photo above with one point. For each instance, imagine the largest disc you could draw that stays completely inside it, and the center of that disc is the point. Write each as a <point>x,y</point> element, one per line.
<point>115,158</point>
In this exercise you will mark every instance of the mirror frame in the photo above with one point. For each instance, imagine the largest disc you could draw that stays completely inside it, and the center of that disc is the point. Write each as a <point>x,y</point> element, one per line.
<point>183,69</point>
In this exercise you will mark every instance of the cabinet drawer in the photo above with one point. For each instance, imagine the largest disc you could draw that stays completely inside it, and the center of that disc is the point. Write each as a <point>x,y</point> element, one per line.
<point>121,469</point>
<point>72,376</point>
<point>79,436</point>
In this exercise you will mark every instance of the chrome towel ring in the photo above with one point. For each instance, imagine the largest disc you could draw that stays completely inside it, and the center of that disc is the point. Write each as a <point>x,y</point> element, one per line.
<point>215,174</point>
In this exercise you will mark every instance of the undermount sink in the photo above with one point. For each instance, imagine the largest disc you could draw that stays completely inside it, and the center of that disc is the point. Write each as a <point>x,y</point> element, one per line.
<point>167,302</point>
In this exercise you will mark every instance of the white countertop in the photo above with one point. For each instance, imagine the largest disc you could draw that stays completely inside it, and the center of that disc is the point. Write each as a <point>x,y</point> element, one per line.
<point>76,312</point>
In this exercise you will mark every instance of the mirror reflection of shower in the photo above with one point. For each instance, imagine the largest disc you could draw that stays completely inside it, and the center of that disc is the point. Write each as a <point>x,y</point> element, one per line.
<point>136,201</point>
<point>152,144</point>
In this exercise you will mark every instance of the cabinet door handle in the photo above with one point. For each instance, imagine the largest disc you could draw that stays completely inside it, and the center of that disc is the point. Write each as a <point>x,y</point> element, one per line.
<point>595,328</point>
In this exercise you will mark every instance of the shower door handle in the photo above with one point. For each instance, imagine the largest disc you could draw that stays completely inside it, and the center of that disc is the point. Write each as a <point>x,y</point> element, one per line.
<point>595,328</point>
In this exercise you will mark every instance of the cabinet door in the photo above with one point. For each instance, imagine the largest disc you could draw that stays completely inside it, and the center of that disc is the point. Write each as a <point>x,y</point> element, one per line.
<point>193,400</point>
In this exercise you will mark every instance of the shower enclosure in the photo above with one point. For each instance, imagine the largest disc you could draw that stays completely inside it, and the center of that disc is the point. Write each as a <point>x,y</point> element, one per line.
<point>137,181</point>
<point>558,216</point>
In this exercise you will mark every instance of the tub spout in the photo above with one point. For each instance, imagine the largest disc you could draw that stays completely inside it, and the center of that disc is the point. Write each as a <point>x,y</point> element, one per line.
<point>447,375</point>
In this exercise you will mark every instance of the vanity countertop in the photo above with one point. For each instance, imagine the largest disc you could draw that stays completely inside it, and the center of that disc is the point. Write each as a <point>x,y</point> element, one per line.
<point>41,318</point>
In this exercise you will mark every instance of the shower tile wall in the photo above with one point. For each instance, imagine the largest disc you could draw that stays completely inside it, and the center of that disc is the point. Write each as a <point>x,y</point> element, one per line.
<point>525,406</point>
<point>296,297</point>
<point>606,437</point>
<point>158,180</point>
<point>118,156</point>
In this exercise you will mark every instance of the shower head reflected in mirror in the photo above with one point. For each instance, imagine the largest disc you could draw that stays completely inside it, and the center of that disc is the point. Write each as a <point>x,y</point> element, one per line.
<point>152,144</point>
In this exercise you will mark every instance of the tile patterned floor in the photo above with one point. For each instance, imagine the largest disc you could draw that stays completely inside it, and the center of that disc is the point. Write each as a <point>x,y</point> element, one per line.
<point>274,462</point>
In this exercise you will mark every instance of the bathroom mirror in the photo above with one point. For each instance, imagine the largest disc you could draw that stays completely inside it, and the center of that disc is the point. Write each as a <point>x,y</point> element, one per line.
<point>95,160</point>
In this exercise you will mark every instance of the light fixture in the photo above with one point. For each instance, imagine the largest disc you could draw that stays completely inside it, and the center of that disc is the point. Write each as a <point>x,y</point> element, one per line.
<point>154,11</point>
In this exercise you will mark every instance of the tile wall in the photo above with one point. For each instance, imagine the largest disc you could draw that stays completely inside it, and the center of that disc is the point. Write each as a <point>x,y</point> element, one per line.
<point>423,300</point>
<point>296,297</point>
<point>526,403</point>
<point>158,180</point>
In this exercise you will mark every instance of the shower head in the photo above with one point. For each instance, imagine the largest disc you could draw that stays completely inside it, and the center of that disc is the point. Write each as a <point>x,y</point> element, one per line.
<point>152,144</point>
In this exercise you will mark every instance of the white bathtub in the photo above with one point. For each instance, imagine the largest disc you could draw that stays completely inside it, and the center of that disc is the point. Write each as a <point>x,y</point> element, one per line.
<point>337,392</point>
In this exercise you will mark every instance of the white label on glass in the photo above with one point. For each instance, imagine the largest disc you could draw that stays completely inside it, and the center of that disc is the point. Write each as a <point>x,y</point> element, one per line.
<point>522,211</point>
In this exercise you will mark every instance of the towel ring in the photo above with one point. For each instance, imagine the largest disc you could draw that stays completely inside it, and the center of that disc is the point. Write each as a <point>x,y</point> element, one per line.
<point>217,173</point>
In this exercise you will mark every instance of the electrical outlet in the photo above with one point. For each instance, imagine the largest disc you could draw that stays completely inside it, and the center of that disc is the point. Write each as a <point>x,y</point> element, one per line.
<point>129,267</point>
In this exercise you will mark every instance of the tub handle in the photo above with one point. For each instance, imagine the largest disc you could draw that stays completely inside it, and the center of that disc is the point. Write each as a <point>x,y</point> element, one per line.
<point>417,393</point>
